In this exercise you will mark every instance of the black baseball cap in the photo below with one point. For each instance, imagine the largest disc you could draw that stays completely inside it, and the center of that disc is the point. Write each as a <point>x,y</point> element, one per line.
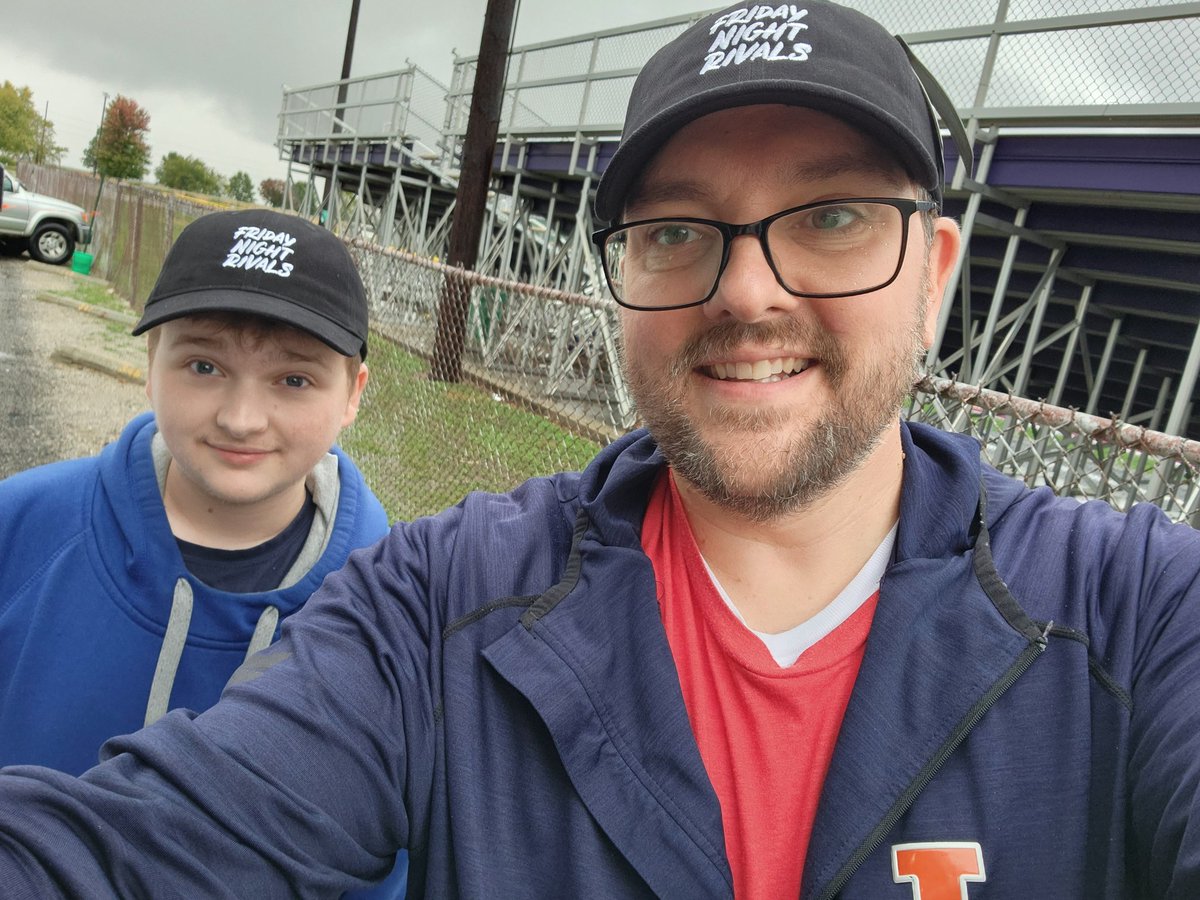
<point>267,263</point>
<point>814,54</point>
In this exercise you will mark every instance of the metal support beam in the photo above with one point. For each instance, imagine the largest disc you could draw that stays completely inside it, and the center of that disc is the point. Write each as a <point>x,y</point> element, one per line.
<point>1044,289</point>
<point>1187,385</point>
<point>1102,370</point>
<point>985,162</point>
<point>1064,368</point>
<point>997,304</point>
<point>1134,383</point>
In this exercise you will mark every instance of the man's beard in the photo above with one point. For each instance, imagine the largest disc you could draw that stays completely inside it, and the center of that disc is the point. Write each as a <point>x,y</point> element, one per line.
<point>763,484</point>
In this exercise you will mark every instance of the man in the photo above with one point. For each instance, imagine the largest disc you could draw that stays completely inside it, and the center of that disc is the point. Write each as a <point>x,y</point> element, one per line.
<point>780,645</point>
<point>140,579</point>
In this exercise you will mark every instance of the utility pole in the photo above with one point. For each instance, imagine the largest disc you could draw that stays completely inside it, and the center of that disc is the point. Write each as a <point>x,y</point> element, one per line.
<point>99,134</point>
<point>339,111</point>
<point>96,162</point>
<point>479,150</point>
<point>351,32</point>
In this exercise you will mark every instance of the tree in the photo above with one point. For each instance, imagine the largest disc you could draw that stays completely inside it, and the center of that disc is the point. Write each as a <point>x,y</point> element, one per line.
<point>241,187</point>
<point>89,154</point>
<point>24,132</point>
<point>119,149</point>
<point>272,191</point>
<point>187,173</point>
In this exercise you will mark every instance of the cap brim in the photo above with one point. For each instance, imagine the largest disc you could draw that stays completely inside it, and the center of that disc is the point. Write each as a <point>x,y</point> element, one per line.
<point>639,148</point>
<point>210,301</point>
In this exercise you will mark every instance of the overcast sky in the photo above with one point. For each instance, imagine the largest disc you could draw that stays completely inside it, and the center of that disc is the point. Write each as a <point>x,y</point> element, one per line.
<point>211,73</point>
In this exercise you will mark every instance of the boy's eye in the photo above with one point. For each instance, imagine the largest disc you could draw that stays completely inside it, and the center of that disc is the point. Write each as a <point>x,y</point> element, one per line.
<point>202,367</point>
<point>296,381</point>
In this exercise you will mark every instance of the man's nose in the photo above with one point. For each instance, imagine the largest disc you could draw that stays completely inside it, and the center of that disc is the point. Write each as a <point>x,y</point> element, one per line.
<point>748,290</point>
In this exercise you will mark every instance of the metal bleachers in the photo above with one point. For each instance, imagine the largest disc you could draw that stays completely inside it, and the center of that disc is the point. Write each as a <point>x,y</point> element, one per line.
<point>1080,280</point>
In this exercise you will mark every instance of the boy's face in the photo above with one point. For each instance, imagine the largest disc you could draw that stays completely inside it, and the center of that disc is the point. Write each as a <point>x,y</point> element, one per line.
<point>246,417</point>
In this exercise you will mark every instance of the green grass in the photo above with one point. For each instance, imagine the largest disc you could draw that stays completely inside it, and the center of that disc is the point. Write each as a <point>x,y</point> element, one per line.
<point>100,295</point>
<point>423,445</point>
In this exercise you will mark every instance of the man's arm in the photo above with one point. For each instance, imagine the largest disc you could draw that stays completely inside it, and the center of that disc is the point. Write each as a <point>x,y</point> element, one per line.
<point>293,785</point>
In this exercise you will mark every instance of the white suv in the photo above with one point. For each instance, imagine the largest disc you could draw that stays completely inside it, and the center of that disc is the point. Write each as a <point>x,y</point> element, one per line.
<point>48,228</point>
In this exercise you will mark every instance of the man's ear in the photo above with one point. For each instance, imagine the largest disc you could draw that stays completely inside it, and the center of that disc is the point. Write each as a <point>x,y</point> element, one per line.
<point>943,254</point>
<point>356,391</point>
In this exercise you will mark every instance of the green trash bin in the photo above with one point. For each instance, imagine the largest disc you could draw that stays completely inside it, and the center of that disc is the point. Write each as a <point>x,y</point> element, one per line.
<point>82,262</point>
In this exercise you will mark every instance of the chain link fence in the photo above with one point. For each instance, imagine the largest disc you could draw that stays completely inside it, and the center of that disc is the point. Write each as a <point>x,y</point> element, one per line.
<point>1076,455</point>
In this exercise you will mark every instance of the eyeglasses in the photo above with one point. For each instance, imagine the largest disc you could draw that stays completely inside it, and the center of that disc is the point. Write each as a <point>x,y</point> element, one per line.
<point>836,248</point>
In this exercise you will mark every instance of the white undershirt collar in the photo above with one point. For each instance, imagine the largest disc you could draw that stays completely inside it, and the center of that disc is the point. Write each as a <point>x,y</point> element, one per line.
<point>786,646</point>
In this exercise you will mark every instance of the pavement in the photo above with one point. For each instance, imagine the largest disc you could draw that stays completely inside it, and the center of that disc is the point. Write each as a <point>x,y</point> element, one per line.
<point>70,374</point>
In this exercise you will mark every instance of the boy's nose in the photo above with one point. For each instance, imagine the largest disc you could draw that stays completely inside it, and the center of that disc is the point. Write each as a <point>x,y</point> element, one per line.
<point>243,412</point>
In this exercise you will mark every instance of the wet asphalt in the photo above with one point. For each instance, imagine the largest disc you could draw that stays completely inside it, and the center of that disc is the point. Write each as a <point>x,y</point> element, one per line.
<point>29,429</point>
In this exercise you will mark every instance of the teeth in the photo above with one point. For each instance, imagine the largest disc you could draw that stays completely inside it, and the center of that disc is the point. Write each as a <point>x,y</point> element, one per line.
<point>768,370</point>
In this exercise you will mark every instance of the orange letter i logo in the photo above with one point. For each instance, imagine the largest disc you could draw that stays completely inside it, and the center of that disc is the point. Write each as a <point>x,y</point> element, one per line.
<point>938,870</point>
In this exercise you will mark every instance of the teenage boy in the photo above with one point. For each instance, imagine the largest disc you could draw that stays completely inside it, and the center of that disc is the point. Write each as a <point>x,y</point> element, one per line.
<point>138,580</point>
<point>780,645</point>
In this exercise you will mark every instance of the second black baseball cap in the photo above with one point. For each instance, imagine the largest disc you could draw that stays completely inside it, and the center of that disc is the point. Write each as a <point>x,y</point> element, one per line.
<point>267,263</point>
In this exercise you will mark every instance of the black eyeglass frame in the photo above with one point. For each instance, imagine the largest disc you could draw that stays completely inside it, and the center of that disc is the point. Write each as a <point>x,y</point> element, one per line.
<point>906,207</point>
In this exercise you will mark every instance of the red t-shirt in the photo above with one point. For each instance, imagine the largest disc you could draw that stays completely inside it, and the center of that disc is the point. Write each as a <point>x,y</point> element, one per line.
<point>765,733</point>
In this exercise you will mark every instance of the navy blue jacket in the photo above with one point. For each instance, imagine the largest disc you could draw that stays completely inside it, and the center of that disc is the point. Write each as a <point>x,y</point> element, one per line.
<point>493,689</point>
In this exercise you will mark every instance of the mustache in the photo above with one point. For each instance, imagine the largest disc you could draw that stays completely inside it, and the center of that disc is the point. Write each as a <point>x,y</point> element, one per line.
<point>725,337</point>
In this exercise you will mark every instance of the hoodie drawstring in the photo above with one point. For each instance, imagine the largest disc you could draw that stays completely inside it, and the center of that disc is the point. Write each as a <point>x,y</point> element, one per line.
<point>175,640</point>
<point>172,649</point>
<point>264,631</point>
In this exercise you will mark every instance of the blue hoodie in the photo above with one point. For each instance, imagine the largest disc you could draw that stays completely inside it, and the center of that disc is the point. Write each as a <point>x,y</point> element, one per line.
<point>493,689</point>
<point>90,575</point>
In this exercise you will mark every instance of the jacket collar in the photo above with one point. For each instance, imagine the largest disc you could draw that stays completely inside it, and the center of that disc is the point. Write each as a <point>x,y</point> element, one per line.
<point>939,494</point>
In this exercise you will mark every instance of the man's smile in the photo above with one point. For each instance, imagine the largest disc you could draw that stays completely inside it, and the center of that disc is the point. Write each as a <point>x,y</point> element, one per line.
<point>767,371</point>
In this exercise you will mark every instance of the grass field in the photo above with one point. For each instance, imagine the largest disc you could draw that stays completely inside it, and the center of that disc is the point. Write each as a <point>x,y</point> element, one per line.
<point>423,445</point>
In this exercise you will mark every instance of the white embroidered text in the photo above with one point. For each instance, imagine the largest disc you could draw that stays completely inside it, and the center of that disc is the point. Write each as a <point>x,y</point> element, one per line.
<point>261,248</point>
<point>757,32</point>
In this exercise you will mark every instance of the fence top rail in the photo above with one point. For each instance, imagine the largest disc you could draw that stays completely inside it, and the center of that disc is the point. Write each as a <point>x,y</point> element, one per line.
<point>1111,431</point>
<point>468,276</point>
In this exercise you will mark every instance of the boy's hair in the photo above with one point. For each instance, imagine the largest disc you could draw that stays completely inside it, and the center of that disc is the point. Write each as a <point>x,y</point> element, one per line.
<point>268,264</point>
<point>250,330</point>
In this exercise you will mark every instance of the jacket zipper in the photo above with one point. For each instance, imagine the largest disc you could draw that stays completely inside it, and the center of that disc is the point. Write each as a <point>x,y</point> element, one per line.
<point>873,840</point>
